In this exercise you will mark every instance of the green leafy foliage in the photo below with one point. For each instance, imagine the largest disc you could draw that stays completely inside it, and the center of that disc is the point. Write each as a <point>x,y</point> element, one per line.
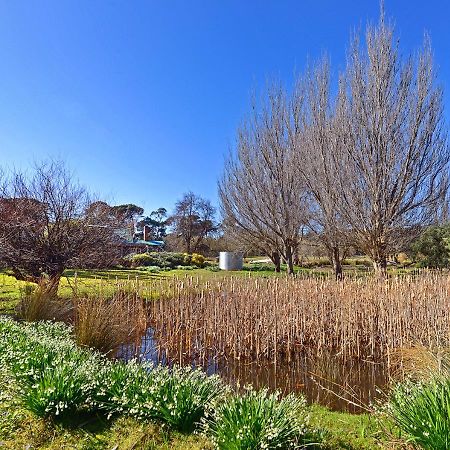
<point>432,249</point>
<point>422,412</point>
<point>50,369</point>
<point>197,260</point>
<point>56,391</point>
<point>178,397</point>
<point>259,420</point>
<point>259,267</point>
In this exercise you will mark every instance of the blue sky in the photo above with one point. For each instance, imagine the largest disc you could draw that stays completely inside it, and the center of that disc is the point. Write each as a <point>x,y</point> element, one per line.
<point>142,98</point>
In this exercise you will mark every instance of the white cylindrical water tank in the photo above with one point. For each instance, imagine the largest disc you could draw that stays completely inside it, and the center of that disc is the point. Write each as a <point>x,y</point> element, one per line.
<point>231,260</point>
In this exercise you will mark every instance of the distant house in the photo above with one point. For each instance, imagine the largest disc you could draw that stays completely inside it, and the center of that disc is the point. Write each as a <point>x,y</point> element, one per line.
<point>137,241</point>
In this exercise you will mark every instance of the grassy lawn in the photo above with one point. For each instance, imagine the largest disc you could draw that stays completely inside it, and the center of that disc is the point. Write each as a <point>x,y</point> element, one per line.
<point>343,432</point>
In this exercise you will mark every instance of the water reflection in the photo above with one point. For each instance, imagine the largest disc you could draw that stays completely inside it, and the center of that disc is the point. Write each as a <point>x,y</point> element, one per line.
<point>327,380</point>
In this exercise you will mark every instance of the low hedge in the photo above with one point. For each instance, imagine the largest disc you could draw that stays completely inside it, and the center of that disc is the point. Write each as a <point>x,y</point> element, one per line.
<point>165,260</point>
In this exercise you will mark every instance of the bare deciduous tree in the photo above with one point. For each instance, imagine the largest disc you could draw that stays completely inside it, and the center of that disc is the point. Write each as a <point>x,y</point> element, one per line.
<point>261,193</point>
<point>193,221</point>
<point>315,143</point>
<point>49,223</point>
<point>393,156</point>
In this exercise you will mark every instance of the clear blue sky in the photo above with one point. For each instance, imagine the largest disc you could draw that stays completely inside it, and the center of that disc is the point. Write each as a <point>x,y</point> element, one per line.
<point>142,99</point>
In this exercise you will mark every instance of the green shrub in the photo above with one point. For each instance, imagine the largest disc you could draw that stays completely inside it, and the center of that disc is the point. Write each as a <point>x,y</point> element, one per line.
<point>422,412</point>
<point>162,260</point>
<point>259,420</point>
<point>142,259</point>
<point>150,269</point>
<point>432,248</point>
<point>355,262</point>
<point>186,267</point>
<point>318,262</point>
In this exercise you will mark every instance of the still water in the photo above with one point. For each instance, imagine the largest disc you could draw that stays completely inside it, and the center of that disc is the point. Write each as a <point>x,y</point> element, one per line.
<point>328,380</point>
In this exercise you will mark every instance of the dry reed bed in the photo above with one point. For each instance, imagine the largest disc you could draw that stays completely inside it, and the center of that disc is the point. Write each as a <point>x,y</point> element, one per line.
<point>256,317</point>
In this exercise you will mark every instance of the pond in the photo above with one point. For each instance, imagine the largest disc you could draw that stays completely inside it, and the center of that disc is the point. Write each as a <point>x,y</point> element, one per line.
<point>328,380</point>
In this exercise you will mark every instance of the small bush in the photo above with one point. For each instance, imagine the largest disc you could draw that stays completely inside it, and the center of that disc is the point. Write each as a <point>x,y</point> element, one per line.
<point>142,259</point>
<point>259,420</point>
<point>432,248</point>
<point>258,267</point>
<point>402,258</point>
<point>186,267</point>
<point>318,262</point>
<point>421,411</point>
<point>198,260</point>
<point>150,269</point>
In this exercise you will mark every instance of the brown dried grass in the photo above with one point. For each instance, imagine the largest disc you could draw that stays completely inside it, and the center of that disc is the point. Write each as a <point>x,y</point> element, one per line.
<point>104,323</point>
<point>37,303</point>
<point>421,363</point>
<point>266,318</point>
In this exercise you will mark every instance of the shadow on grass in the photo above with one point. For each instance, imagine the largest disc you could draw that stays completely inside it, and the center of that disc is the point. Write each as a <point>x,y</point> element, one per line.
<point>90,422</point>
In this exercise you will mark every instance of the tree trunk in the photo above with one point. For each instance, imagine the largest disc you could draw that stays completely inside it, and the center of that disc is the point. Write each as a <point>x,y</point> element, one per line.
<point>275,258</point>
<point>336,261</point>
<point>289,260</point>
<point>380,266</point>
<point>50,285</point>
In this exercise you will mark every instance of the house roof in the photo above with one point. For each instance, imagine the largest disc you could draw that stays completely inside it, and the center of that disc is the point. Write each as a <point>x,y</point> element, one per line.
<point>150,243</point>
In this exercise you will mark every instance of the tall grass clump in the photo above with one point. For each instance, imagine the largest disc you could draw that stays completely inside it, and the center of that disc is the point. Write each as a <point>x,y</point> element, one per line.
<point>105,322</point>
<point>421,411</point>
<point>36,304</point>
<point>259,420</point>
